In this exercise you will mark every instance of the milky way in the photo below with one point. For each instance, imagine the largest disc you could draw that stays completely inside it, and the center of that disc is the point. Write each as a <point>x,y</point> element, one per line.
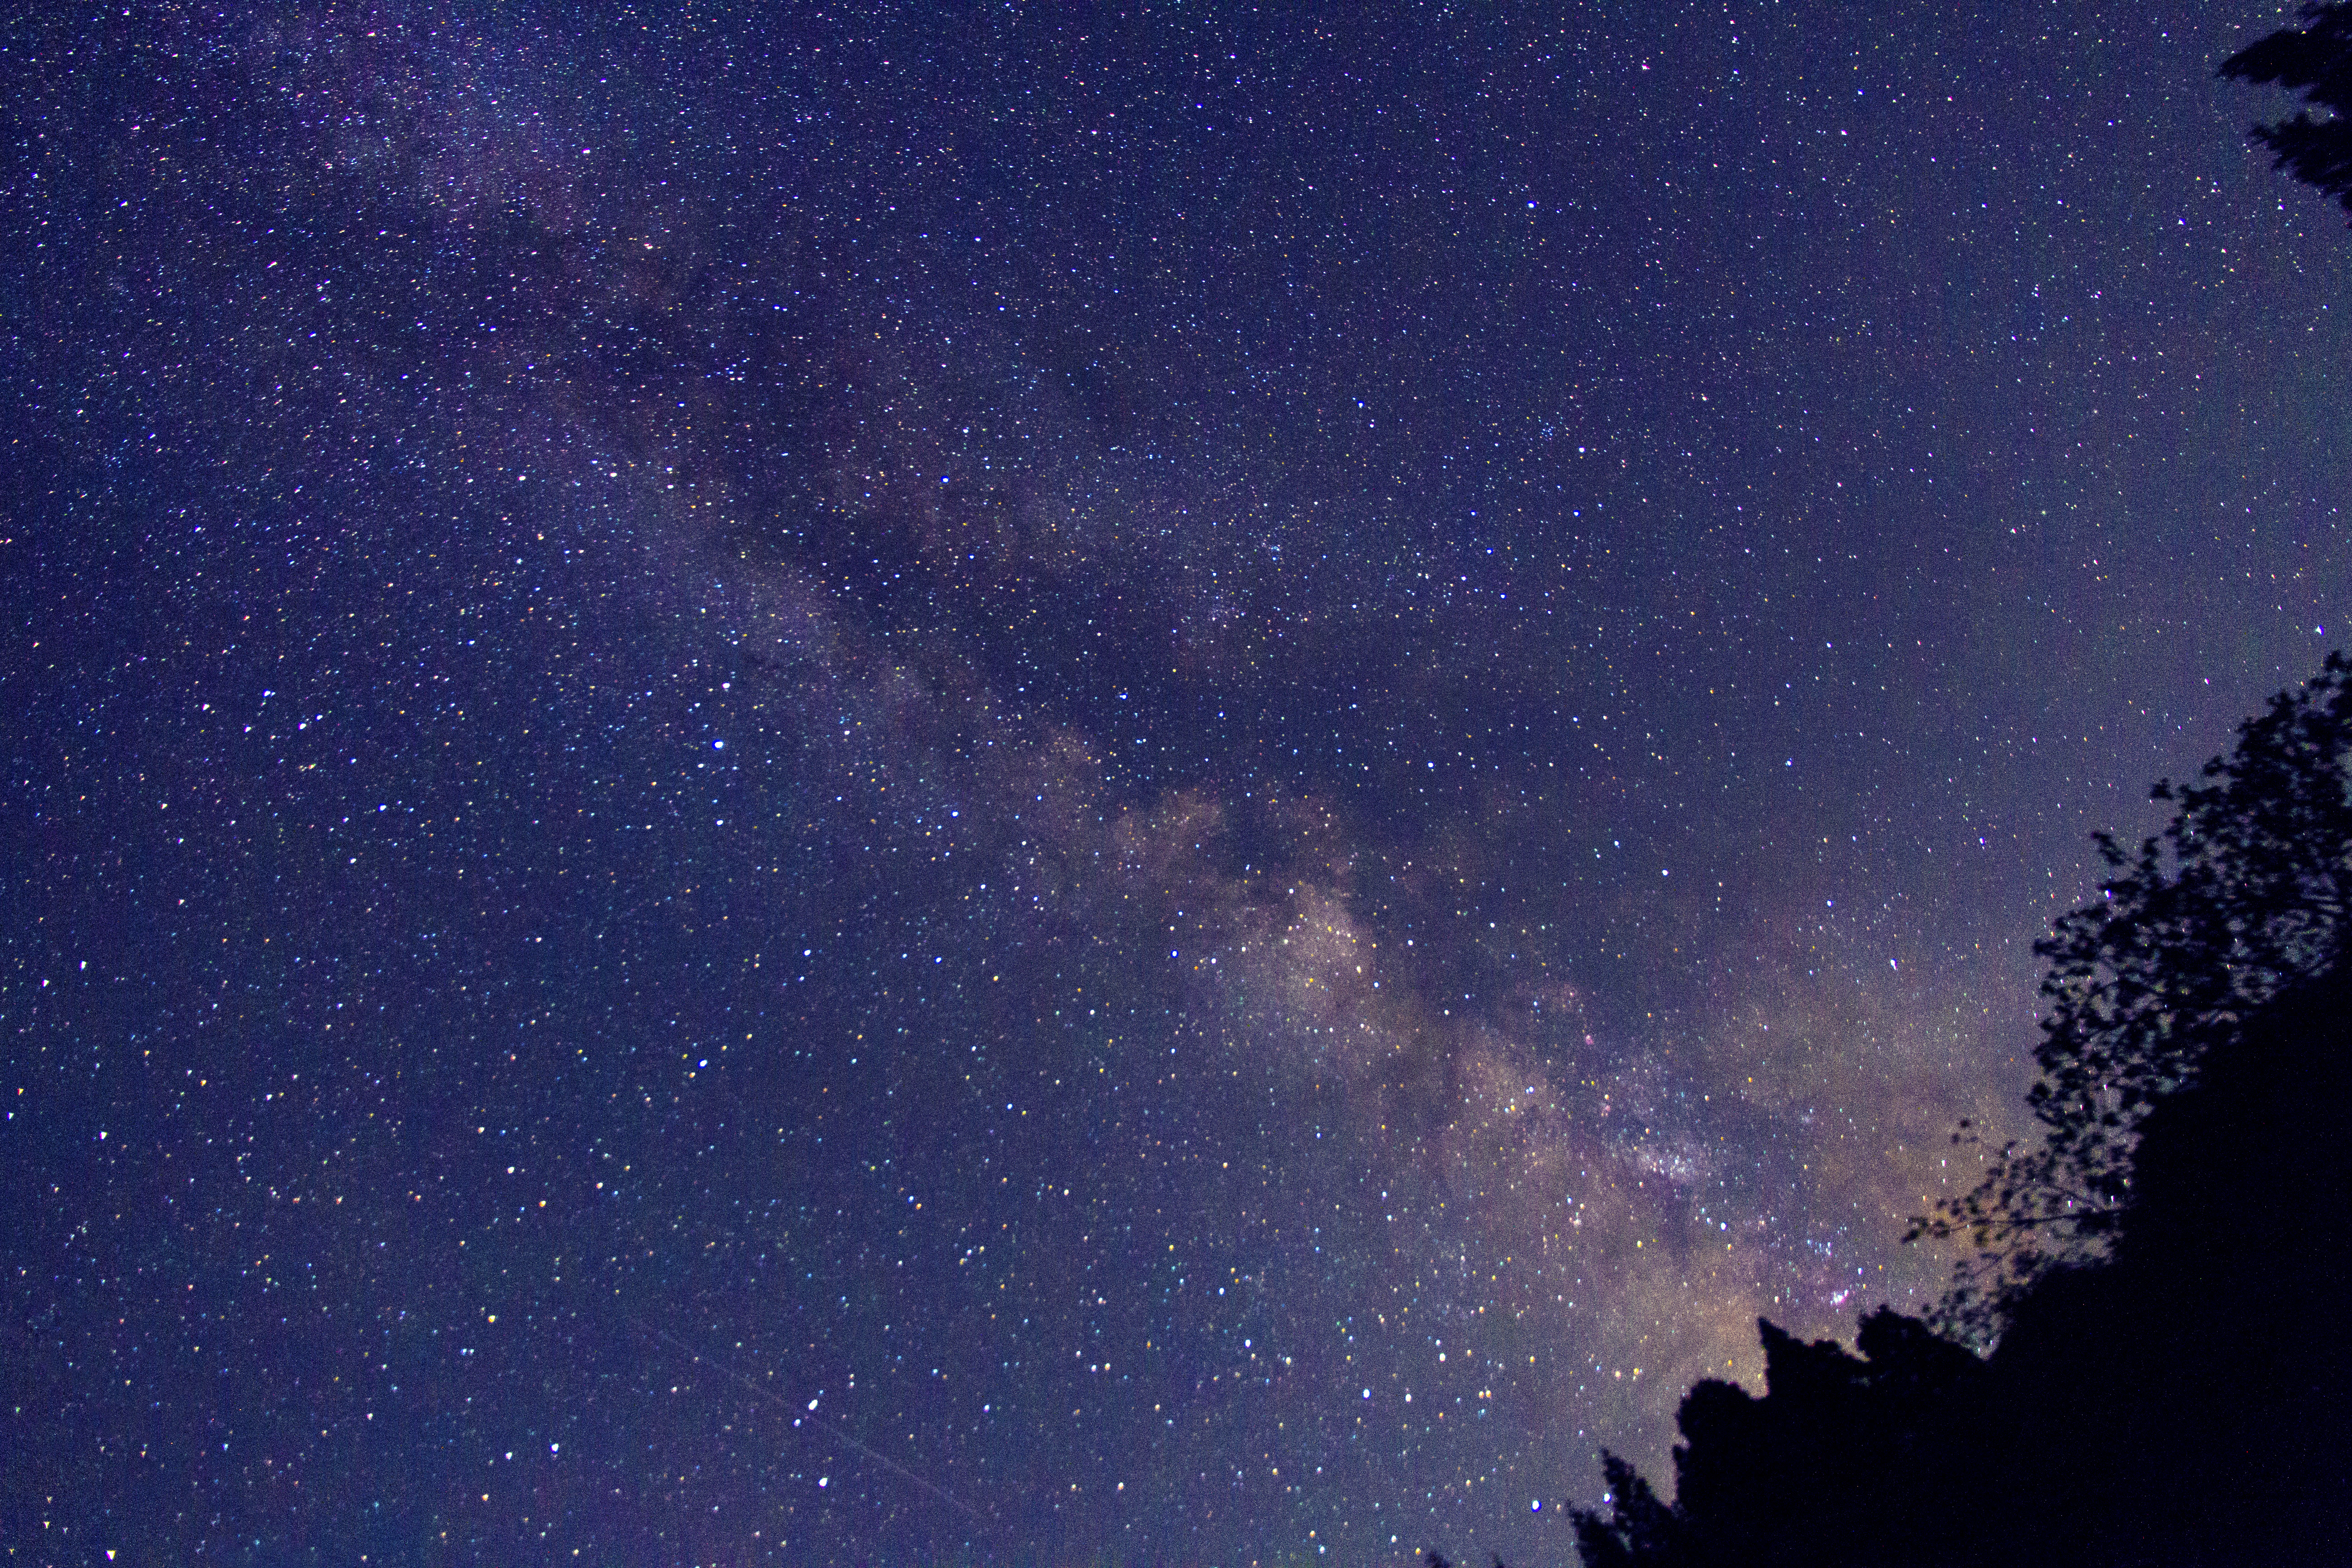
<point>1038,783</point>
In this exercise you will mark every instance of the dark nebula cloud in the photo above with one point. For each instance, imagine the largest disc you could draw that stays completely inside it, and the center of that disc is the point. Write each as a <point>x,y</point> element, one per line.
<point>1043,784</point>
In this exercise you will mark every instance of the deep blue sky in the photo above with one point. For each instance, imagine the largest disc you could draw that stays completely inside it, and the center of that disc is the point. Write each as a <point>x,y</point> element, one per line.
<point>1039,783</point>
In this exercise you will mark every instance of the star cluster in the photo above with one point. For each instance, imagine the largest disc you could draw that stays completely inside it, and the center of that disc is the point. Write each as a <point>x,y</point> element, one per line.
<point>1056,783</point>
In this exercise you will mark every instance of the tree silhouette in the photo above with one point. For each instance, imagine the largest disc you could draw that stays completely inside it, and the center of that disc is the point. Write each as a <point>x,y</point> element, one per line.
<point>2316,60</point>
<point>1843,1459</point>
<point>2245,892</point>
<point>1640,1528</point>
<point>2181,1403</point>
<point>2165,1268</point>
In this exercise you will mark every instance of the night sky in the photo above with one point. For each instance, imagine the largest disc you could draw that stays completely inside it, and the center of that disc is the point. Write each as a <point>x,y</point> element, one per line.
<point>1033,782</point>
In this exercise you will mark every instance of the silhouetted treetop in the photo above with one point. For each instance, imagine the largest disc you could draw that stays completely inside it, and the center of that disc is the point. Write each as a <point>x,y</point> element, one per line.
<point>2243,894</point>
<point>2183,1402</point>
<point>1843,1459</point>
<point>2316,61</point>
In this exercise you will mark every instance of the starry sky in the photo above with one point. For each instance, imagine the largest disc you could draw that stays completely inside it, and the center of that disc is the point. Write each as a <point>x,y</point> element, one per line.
<point>1046,782</point>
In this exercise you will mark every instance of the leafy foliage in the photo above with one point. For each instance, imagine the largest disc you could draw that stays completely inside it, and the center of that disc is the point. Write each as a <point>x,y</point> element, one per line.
<point>2316,60</point>
<point>2181,1403</point>
<point>2243,894</point>
<point>1843,1459</point>
<point>1639,1528</point>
